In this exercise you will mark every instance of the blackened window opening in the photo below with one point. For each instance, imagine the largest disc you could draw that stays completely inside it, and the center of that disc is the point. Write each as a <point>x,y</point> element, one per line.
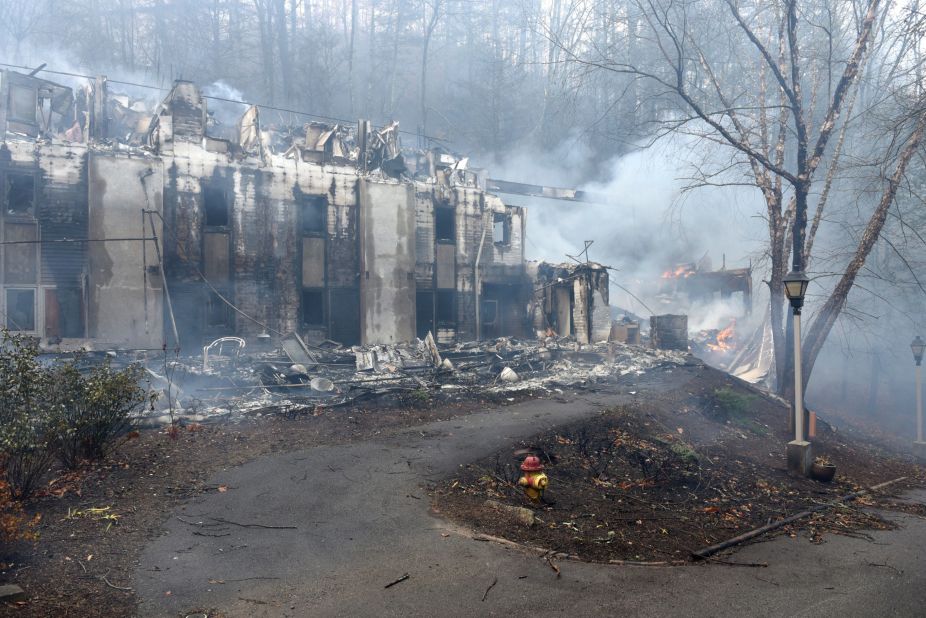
<point>20,194</point>
<point>489,312</point>
<point>501,229</point>
<point>313,307</point>
<point>22,103</point>
<point>446,308</point>
<point>215,205</point>
<point>20,309</point>
<point>217,312</point>
<point>444,224</point>
<point>314,215</point>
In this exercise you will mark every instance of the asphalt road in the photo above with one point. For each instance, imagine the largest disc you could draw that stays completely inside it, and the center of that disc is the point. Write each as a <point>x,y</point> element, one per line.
<point>347,520</point>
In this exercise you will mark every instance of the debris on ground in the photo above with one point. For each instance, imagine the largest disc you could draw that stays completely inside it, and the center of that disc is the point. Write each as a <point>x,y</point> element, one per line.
<point>232,381</point>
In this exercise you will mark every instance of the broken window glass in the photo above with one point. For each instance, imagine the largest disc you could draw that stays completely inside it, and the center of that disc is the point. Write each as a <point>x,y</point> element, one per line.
<point>20,309</point>
<point>444,225</point>
<point>215,206</point>
<point>446,308</point>
<point>313,307</point>
<point>22,103</point>
<point>501,229</point>
<point>314,214</point>
<point>20,194</point>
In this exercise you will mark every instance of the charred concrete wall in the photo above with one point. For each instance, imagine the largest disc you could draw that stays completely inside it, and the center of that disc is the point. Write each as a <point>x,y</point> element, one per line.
<point>458,227</point>
<point>279,242</point>
<point>125,290</point>
<point>388,255</point>
<point>322,237</point>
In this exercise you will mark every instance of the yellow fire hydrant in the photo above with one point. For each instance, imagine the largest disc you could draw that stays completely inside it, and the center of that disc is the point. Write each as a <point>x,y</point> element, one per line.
<point>534,481</point>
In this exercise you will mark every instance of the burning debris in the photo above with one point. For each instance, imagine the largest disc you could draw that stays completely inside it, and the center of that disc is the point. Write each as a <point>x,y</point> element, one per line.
<point>725,340</point>
<point>692,284</point>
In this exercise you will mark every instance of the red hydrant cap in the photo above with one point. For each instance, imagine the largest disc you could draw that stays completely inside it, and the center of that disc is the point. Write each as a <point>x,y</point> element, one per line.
<point>531,464</point>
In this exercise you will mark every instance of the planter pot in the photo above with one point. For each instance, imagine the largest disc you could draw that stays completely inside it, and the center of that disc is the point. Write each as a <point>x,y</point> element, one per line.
<point>822,472</point>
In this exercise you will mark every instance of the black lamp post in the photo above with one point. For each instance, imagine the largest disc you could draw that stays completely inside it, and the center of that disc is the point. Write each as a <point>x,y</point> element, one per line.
<point>799,450</point>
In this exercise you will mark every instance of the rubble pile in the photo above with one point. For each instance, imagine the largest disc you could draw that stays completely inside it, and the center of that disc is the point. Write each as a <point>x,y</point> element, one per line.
<point>298,378</point>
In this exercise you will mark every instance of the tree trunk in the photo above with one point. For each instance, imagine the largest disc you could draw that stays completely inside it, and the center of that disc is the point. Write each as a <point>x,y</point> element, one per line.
<point>826,318</point>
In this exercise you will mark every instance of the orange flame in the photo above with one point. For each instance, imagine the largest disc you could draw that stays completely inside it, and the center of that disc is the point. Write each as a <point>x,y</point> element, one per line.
<point>725,339</point>
<point>682,271</point>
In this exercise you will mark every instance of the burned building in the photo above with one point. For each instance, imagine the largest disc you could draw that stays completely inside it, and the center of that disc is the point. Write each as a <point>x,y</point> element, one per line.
<point>698,283</point>
<point>140,228</point>
<point>571,300</point>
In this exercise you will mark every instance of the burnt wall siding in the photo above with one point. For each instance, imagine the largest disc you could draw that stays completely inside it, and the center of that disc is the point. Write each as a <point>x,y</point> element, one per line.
<point>424,239</point>
<point>60,174</point>
<point>183,217</point>
<point>266,260</point>
<point>343,256</point>
<point>61,210</point>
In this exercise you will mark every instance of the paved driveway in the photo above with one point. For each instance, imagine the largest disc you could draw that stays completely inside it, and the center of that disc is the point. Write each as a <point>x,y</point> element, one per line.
<point>328,527</point>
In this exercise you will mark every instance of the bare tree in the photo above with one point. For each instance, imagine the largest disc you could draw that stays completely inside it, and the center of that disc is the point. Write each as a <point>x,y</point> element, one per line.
<point>781,125</point>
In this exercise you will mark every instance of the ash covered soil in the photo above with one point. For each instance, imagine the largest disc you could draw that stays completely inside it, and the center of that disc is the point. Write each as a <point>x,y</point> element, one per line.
<point>670,474</point>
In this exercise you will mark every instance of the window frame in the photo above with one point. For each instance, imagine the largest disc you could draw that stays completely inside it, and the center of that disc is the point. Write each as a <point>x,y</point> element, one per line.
<point>215,191</point>
<point>451,220</point>
<point>313,201</point>
<point>445,300</point>
<point>36,314</point>
<point>34,119</point>
<point>29,213</point>
<point>302,308</point>
<point>505,221</point>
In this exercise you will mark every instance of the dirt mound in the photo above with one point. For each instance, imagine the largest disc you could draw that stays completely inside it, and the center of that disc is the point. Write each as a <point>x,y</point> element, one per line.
<point>670,474</point>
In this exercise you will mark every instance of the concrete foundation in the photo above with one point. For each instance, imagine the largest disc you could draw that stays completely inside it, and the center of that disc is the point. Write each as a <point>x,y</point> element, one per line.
<point>800,457</point>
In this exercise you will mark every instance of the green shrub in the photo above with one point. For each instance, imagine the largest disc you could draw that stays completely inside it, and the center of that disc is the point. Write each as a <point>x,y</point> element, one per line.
<point>25,448</point>
<point>736,408</point>
<point>685,453</point>
<point>58,409</point>
<point>732,405</point>
<point>91,410</point>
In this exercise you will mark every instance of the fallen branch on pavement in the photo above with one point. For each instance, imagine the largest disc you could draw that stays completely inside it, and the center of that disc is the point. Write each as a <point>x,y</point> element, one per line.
<point>553,566</point>
<point>713,549</point>
<point>492,585</point>
<point>235,523</point>
<point>397,581</point>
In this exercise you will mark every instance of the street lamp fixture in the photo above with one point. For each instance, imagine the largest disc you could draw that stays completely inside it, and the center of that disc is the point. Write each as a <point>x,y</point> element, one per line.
<point>918,346</point>
<point>799,456</point>
<point>795,289</point>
